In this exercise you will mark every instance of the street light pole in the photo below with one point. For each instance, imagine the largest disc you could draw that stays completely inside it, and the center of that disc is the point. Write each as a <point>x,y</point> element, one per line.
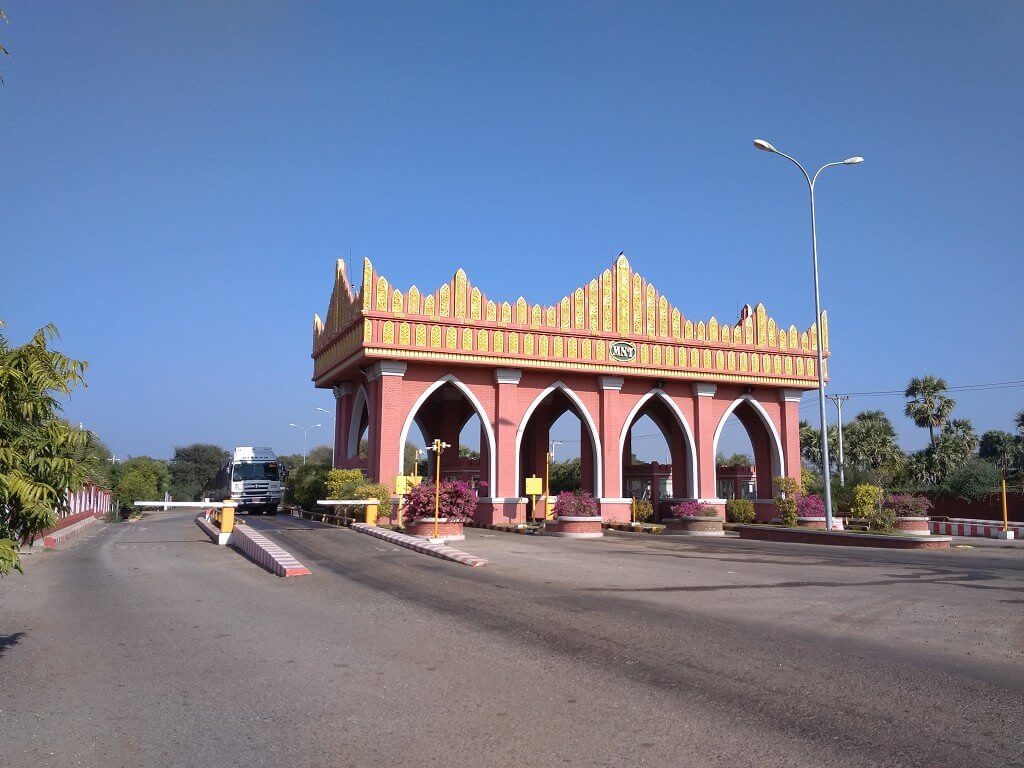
<point>766,147</point>
<point>838,400</point>
<point>305,431</point>
<point>437,447</point>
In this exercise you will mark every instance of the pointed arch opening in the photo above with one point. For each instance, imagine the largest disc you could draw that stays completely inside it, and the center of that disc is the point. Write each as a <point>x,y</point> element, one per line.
<point>359,427</point>
<point>735,477</point>
<point>558,415</point>
<point>658,459</point>
<point>449,411</point>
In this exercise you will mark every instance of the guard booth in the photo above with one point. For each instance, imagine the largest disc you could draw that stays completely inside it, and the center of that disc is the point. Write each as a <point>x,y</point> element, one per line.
<point>611,351</point>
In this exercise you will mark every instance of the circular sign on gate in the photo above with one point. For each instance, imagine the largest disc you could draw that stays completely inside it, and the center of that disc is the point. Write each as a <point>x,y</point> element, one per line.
<point>623,351</point>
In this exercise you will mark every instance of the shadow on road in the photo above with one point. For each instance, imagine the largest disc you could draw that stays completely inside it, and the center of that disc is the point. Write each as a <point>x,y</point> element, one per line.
<point>6,641</point>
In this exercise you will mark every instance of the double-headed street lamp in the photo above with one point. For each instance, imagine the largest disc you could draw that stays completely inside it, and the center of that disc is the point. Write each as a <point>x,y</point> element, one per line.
<point>766,147</point>
<point>305,431</point>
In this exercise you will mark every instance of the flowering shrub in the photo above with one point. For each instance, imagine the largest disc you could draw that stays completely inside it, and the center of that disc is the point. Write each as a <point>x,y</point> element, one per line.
<point>785,501</point>
<point>575,504</point>
<point>457,501</point>
<point>693,509</point>
<point>642,510</point>
<point>905,505</point>
<point>740,511</point>
<point>810,505</point>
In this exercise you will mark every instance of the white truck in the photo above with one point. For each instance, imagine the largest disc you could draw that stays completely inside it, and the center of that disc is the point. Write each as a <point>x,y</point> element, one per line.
<point>252,479</point>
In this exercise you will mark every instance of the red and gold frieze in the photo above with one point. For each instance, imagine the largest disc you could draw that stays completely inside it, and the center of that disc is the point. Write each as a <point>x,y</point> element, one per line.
<point>617,323</point>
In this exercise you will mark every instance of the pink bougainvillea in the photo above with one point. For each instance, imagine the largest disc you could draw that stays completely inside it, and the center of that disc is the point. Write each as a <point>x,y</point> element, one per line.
<point>457,501</point>
<point>810,505</point>
<point>905,505</point>
<point>693,509</point>
<point>575,504</point>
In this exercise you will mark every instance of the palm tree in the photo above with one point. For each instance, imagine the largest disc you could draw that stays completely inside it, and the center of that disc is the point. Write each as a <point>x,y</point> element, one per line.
<point>1019,421</point>
<point>871,441</point>
<point>929,406</point>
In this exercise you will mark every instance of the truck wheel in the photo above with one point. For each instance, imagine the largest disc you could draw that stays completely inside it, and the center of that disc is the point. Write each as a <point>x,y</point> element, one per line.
<point>271,510</point>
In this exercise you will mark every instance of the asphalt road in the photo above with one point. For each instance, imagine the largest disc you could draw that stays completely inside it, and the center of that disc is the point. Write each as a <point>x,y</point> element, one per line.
<point>142,644</point>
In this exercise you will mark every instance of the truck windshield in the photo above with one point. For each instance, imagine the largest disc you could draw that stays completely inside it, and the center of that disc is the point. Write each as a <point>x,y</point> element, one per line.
<point>255,471</point>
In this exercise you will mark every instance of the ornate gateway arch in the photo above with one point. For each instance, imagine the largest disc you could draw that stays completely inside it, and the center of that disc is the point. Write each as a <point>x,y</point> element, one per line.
<point>396,357</point>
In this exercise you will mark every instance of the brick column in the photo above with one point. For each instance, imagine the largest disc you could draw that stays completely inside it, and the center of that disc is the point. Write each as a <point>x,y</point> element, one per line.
<point>614,508</point>
<point>343,397</point>
<point>789,431</point>
<point>704,435</point>
<point>504,505</point>
<point>506,400</point>
<point>388,417</point>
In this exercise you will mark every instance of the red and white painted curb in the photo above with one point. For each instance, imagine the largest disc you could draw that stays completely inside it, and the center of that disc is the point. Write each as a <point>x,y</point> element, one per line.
<point>51,540</point>
<point>419,545</point>
<point>985,528</point>
<point>266,553</point>
<point>257,547</point>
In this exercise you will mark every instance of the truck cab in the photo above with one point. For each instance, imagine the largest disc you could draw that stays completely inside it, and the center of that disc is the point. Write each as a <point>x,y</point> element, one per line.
<point>252,479</point>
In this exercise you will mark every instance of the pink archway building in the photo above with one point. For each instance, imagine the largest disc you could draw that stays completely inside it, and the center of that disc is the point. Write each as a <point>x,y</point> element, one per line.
<point>611,351</point>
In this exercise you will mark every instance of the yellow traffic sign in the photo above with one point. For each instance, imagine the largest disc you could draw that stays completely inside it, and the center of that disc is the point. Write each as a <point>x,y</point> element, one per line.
<point>534,486</point>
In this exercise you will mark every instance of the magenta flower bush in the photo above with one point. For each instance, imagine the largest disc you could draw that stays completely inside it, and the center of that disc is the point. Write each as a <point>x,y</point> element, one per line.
<point>693,509</point>
<point>905,505</point>
<point>575,504</point>
<point>457,501</point>
<point>810,505</point>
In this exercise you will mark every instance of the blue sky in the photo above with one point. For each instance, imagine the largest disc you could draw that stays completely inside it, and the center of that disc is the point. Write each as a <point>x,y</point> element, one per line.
<point>177,179</point>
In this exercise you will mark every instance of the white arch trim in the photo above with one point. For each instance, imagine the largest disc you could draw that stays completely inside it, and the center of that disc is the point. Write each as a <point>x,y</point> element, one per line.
<point>480,412</point>
<point>778,458</point>
<point>585,417</point>
<point>691,445</point>
<point>361,399</point>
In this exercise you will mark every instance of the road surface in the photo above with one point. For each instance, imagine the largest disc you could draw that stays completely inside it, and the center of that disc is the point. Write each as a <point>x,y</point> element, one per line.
<point>142,644</point>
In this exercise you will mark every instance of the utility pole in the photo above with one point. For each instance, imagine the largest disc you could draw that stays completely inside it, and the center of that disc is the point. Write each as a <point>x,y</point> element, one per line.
<point>838,400</point>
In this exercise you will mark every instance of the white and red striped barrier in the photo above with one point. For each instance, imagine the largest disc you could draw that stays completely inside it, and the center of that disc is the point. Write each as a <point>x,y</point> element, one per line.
<point>983,528</point>
<point>419,545</point>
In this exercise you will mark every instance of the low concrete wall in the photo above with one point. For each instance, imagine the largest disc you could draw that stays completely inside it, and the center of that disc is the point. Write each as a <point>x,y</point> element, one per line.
<point>841,538</point>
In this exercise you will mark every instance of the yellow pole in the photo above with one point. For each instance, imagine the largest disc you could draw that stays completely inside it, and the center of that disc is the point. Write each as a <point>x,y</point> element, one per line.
<point>1006,522</point>
<point>227,517</point>
<point>416,464</point>
<point>437,486</point>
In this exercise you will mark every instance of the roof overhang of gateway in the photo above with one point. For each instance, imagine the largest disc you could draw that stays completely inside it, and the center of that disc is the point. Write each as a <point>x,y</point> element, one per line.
<point>618,324</point>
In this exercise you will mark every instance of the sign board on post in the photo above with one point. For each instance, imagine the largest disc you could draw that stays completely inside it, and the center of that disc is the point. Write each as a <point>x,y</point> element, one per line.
<point>534,486</point>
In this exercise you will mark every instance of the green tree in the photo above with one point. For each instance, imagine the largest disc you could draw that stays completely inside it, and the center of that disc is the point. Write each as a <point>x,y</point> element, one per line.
<point>973,480</point>
<point>465,452</point>
<point>307,484</point>
<point>566,475</point>
<point>138,483</point>
<point>1000,448</point>
<point>96,459</point>
<point>1019,422</point>
<point>732,460</point>
<point>869,442</point>
<point>140,475</point>
<point>928,406</point>
<point>38,450</point>
<point>810,445</point>
<point>193,469</point>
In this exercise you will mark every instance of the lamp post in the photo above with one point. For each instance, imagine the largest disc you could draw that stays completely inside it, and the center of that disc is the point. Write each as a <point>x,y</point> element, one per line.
<point>437,447</point>
<point>305,431</point>
<point>766,147</point>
